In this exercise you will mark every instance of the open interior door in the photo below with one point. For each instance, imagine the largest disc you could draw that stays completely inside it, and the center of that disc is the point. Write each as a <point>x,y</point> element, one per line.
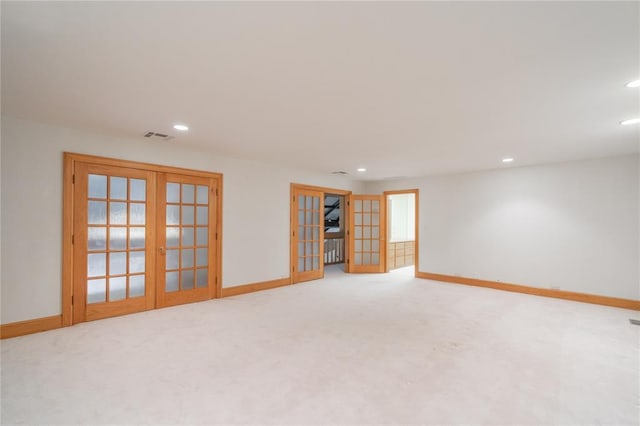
<point>367,232</point>
<point>307,216</point>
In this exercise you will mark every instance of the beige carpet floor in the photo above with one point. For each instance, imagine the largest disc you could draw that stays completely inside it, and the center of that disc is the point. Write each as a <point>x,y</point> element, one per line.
<point>349,349</point>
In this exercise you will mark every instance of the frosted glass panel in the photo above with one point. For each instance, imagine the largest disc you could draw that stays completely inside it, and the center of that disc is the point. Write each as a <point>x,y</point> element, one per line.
<point>187,215</point>
<point>375,219</point>
<point>202,216</point>
<point>300,249</point>
<point>316,233</point>
<point>375,245</point>
<point>366,245</point>
<point>375,258</point>
<point>316,248</point>
<point>307,263</point>
<point>202,196</point>
<point>97,238</point>
<point>358,246</point>
<point>366,232</point>
<point>97,186</point>
<point>136,261</point>
<point>117,288</point>
<point>173,261</point>
<point>188,195</point>
<point>171,281</point>
<point>187,236</point>
<point>202,236</point>
<point>308,218</point>
<point>137,214</point>
<point>316,263</point>
<point>117,263</point>
<point>316,203</point>
<point>97,212</point>
<point>187,279</point>
<point>358,233</point>
<point>301,200</point>
<point>358,219</point>
<point>202,256</point>
<point>117,238</point>
<point>309,203</point>
<point>136,285</point>
<point>366,219</point>
<point>366,206</point>
<point>97,265</point>
<point>375,206</point>
<point>136,237</point>
<point>138,190</point>
<point>202,277</point>
<point>118,213</point>
<point>173,192</point>
<point>173,215</point>
<point>308,249</point>
<point>358,259</point>
<point>173,236</point>
<point>118,191</point>
<point>375,232</point>
<point>301,264</point>
<point>187,258</point>
<point>96,291</point>
<point>358,205</point>
<point>316,218</point>
<point>366,259</point>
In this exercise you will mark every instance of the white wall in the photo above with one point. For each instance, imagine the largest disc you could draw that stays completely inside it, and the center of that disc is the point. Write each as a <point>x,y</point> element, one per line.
<point>572,226</point>
<point>255,215</point>
<point>402,209</point>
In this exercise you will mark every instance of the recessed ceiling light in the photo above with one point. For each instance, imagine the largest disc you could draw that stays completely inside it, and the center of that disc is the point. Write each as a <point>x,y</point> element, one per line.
<point>630,121</point>
<point>507,159</point>
<point>181,127</point>
<point>635,83</point>
<point>362,169</point>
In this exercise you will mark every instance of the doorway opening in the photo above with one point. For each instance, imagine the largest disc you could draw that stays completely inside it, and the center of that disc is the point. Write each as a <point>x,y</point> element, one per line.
<point>336,227</point>
<point>402,226</point>
<point>319,224</point>
<point>334,230</point>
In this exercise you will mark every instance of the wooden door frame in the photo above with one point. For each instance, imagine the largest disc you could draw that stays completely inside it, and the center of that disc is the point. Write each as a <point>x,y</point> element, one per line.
<point>69,161</point>
<point>292,212</point>
<point>416,256</point>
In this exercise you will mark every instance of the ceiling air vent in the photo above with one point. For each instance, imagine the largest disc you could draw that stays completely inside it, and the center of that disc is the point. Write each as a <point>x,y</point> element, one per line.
<point>339,172</point>
<point>156,135</point>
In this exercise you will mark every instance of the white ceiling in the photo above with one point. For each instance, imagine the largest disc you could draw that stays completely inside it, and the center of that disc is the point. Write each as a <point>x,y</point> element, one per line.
<point>403,89</point>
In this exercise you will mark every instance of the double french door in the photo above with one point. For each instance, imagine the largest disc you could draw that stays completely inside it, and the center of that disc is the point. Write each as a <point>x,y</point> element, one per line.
<point>142,239</point>
<point>365,240</point>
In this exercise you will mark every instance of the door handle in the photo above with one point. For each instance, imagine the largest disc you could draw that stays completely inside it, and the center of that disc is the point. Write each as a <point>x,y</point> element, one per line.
<point>162,251</point>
